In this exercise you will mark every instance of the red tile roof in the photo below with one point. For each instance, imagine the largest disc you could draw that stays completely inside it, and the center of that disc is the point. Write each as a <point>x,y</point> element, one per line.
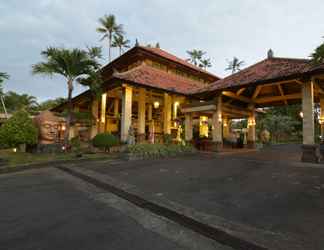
<point>270,69</point>
<point>167,55</point>
<point>156,78</point>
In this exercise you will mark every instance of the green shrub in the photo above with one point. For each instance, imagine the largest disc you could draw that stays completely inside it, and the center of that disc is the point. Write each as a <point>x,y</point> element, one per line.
<point>155,151</point>
<point>167,139</point>
<point>105,141</point>
<point>17,130</point>
<point>76,144</point>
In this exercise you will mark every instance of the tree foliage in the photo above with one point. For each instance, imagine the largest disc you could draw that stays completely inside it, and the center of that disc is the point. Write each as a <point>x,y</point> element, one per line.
<point>196,57</point>
<point>281,122</point>
<point>105,141</point>
<point>19,129</point>
<point>15,102</point>
<point>317,56</point>
<point>235,65</point>
<point>120,42</point>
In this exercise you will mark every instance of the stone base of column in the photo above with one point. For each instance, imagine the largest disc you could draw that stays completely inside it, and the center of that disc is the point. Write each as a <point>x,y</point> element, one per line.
<point>251,144</point>
<point>310,153</point>
<point>217,146</point>
<point>140,138</point>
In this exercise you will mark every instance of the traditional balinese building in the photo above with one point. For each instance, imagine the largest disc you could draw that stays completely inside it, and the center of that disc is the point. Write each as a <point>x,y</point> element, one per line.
<point>159,94</point>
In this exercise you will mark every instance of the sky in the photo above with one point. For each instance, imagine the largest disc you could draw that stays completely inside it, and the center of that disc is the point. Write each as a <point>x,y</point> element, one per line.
<point>246,29</point>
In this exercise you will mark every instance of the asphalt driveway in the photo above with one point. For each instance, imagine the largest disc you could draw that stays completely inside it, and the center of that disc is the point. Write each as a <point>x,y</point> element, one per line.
<point>42,209</point>
<point>259,190</point>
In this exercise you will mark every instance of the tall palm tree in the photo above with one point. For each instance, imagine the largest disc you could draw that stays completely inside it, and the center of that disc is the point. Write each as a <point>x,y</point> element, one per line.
<point>317,56</point>
<point>120,42</point>
<point>195,56</point>
<point>108,28</point>
<point>71,64</point>
<point>3,76</point>
<point>205,63</point>
<point>235,65</point>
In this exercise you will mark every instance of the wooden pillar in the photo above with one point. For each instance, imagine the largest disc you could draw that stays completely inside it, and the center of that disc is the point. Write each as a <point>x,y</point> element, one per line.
<point>116,107</point>
<point>94,112</point>
<point>150,117</point>
<point>188,127</point>
<point>321,120</point>
<point>217,124</point>
<point>226,127</point>
<point>141,115</point>
<point>126,116</point>
<point>167,114</point>
<point>103,113</point>
<point>251,135</point>
<point>309,149</point>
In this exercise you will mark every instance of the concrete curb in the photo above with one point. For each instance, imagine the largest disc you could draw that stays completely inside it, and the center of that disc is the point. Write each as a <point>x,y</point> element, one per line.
<point>23,167</point>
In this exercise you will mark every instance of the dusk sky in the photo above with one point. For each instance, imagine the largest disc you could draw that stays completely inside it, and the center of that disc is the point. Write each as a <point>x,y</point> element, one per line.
<point>245,29</point>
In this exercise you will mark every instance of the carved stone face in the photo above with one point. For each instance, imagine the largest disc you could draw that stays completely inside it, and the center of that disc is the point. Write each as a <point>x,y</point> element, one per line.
<point>48,132</point>
<point>48,127</point>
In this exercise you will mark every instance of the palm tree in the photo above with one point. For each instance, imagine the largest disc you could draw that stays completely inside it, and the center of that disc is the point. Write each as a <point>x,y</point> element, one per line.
<point>120,42</point>
<point>205,63</point>
<point>109,27</point>
<point>195,56</point>
<point>235,65</point>
<point>3,76</point>
<point>71,64</point>
<point>317,56</point>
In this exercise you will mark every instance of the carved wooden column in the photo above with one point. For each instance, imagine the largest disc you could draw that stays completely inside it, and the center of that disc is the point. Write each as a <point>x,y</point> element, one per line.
<point>217,125</point>
<point>141,115</point>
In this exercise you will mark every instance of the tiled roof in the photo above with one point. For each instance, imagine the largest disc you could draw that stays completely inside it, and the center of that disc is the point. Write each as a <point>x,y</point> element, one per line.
<point>167,55</point>
<point>156,78</point>
<point>265,71</point>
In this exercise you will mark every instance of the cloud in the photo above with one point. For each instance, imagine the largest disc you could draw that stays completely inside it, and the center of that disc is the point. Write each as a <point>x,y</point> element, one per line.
<point>246,29</point>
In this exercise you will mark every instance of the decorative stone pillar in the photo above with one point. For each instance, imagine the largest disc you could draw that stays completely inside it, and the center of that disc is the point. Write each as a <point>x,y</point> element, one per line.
<point>188,127</point>
<point>217,125</point>
<point>94,112</point>
<point>167,114</point>
<point>226,128</point>
<point>141,116</point>
<point>126,116</point>
<point>251,135</point>
<point>103,113</point>
<point>310,151</point>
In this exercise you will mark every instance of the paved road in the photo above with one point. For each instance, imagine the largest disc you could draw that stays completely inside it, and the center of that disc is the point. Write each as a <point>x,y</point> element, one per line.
<point>41,209</point>
<point>270,195</point>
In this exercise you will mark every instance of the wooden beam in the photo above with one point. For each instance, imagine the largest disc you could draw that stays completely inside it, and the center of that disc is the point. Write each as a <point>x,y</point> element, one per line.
<point>235,96</point>
<point>282,93</point>
<point>277,98</point>
<point>240,91</point>
<point>257,91</point>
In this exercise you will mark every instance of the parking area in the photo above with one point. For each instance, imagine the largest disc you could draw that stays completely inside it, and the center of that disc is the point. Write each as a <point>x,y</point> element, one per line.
<point>264,190</point>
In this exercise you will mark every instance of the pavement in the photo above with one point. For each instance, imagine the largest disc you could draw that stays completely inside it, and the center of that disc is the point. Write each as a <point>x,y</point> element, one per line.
<point>47,209</point>
<point>269,190</point>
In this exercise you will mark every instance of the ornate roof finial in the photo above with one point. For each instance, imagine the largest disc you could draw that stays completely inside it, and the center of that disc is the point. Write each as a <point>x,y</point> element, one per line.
<point>157,45</point>
<point>270,53</point>
<point>136,43</point>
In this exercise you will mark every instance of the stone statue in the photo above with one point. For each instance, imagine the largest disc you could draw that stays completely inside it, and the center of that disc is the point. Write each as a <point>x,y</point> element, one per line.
<point>131,136</point>
<point>48,127</point>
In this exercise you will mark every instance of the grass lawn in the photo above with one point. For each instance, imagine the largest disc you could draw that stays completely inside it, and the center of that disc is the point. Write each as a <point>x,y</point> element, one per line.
<point>18,158</point>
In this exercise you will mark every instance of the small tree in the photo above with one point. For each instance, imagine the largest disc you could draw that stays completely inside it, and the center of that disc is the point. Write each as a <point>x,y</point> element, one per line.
<point>104,141</point>
<point>19,129</point>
